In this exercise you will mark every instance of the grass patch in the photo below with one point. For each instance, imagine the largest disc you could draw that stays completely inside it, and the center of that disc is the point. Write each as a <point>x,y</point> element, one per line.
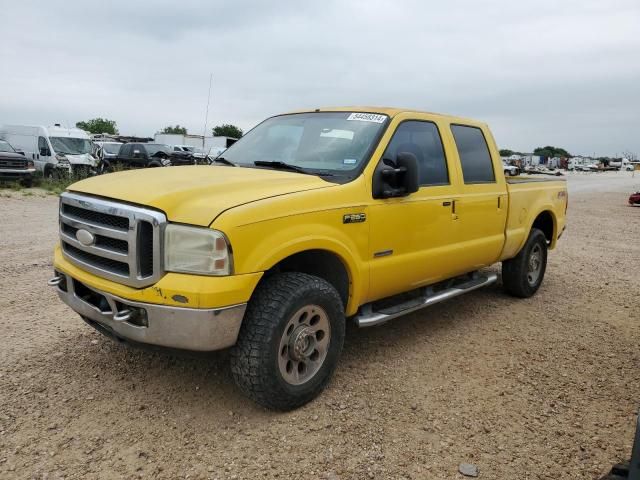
<point>54,186</point>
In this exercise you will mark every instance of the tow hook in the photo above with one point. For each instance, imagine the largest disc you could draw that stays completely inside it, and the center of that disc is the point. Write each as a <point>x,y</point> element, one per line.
<point>123,315</point>
<point>55,281</point>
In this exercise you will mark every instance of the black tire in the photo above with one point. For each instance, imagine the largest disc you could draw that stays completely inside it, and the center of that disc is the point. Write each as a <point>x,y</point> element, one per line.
<point>256,358</point>
<point>517,276</point>
<point>27,182</point>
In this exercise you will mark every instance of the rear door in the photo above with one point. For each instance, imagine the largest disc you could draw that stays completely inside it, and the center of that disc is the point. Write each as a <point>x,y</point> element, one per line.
<point>481,207</point>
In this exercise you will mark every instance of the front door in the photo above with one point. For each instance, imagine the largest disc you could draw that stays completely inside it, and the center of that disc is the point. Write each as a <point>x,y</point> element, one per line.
<point>412,238</point>
<point>44,154</point>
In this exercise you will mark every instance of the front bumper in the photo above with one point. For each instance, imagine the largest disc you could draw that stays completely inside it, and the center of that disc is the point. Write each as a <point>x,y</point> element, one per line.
<point>167,326</point>
<point>16,173</point>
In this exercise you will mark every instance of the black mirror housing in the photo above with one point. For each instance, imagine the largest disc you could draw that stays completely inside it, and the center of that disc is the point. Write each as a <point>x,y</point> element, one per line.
<point>396,179</point>
<point>411,180</point>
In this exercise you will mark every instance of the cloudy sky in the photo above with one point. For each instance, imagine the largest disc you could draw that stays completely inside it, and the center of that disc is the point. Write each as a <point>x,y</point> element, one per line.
<point>564,73</point>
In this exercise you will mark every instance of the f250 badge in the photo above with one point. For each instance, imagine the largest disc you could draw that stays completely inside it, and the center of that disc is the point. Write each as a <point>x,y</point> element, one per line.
<point>354,218</point>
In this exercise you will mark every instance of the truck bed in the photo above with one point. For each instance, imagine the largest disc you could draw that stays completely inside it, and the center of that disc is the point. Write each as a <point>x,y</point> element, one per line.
<point>527,196</point>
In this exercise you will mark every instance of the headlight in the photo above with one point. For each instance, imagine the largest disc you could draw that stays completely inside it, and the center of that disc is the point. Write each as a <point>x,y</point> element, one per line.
<point>196,250</point>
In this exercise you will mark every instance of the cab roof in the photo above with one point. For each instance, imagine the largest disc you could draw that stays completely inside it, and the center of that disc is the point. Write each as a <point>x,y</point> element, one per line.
<point>390,111</point>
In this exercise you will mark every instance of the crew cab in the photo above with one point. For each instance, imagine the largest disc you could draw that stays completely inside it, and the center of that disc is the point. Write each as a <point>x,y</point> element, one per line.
<point>309,220</point>
<point>139,155</point>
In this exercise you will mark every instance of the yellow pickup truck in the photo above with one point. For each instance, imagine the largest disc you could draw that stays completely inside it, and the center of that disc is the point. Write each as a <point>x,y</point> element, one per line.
<point>310,219</point>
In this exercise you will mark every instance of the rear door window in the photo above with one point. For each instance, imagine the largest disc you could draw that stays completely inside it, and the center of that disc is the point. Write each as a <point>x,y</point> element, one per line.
<point>473,151</point>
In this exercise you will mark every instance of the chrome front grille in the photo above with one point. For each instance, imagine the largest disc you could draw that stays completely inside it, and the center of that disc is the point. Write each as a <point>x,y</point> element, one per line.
<point>13,163</point>
<point>125,242</point>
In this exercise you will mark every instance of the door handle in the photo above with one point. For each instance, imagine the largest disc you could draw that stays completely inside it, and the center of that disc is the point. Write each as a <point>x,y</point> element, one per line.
<point>452,204</point>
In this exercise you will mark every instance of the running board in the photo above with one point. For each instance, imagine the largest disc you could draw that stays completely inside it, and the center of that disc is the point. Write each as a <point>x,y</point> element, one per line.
<point>366,317</point>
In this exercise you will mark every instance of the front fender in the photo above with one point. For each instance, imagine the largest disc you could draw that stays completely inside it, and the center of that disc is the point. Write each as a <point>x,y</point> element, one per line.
<point>258,247</point>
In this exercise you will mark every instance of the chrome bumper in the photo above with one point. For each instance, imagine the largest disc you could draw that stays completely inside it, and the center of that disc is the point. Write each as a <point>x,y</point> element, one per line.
<point>174,327</point>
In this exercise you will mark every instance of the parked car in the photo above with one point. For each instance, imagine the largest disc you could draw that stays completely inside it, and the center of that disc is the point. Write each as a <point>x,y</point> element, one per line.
<point>107,153</point>
<point>310,219</point>
<point>54,150</point>
<point>199,156</point>
<point>634,198</point>
<point>510,170</point>
<point>14,165</point>
<point>139,155</point>
<point>107,150</point>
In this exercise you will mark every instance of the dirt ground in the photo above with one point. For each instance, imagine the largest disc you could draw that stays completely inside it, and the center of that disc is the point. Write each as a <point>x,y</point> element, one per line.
<point>544,388</point>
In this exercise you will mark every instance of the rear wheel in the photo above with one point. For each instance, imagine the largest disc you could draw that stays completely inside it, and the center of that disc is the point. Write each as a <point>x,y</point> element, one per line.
<point>523,274</point>
<point>290,341</point>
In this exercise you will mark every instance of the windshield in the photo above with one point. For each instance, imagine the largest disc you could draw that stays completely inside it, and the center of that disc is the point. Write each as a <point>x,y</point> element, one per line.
<point>5,147</point>
<point>70,146</point>
<point>153,148</point>
<point>113,148</point>
<point>330,142</point>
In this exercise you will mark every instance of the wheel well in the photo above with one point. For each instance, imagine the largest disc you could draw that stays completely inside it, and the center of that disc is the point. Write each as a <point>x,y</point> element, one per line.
<point>544,222</point>
<point>320,263</point>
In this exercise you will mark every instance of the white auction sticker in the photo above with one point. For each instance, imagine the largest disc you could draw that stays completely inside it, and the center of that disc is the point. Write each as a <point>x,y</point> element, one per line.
<point>367,117</point>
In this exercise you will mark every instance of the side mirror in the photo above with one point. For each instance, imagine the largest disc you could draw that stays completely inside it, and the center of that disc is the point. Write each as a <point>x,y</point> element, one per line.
<point>396,179</point>
<point>411,179</point>
<point>136,154</point>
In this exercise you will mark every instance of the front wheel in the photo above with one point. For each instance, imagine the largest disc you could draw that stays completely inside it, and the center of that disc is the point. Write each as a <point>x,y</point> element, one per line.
<point>290,341</point>
<point>523,274</point>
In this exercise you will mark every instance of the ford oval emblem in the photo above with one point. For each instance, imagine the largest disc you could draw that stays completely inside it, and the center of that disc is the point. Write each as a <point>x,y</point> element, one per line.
<point>85,237</point>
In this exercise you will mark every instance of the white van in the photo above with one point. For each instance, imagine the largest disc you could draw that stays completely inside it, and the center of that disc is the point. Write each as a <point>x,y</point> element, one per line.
<point>53,148</point>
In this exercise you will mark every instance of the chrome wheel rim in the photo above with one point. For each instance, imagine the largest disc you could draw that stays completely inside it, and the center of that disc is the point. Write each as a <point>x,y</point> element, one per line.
<point>534,266</point>
<point>304,344</point>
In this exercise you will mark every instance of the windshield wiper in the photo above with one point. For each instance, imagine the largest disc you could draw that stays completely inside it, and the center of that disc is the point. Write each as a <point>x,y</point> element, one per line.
<point>287,166</point>
<point>224,161</point>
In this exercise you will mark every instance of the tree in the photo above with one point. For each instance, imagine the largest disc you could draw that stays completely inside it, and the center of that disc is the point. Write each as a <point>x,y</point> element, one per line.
<point>505,152</point>
<point>177,129</point>
<point>550,151</point>
<point>227,130</point>
<point>99,125</point>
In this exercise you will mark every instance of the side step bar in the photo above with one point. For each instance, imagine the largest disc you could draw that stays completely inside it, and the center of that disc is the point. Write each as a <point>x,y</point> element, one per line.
<point>366,317</point>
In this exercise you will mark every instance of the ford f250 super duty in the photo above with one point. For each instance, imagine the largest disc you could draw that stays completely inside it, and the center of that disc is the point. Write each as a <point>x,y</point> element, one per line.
<point>310,219</point>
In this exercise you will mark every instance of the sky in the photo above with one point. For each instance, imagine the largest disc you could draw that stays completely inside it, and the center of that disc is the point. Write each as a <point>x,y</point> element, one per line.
<point>544,72</point>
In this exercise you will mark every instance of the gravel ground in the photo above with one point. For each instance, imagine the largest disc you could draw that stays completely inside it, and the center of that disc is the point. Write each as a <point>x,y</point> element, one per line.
<point>540,388</point>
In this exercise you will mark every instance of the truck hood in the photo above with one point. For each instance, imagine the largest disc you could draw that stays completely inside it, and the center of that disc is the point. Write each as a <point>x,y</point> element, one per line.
<point>196,195</point>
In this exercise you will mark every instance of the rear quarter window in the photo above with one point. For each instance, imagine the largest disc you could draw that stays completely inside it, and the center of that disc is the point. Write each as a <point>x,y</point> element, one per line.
<point>473,151</point>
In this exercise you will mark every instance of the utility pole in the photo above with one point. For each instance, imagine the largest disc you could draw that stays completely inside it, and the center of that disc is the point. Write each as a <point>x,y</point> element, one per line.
<point>206,115</point>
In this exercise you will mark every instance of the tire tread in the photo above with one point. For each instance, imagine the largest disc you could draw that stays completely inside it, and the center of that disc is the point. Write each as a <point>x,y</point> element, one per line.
<point>250,364</point>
